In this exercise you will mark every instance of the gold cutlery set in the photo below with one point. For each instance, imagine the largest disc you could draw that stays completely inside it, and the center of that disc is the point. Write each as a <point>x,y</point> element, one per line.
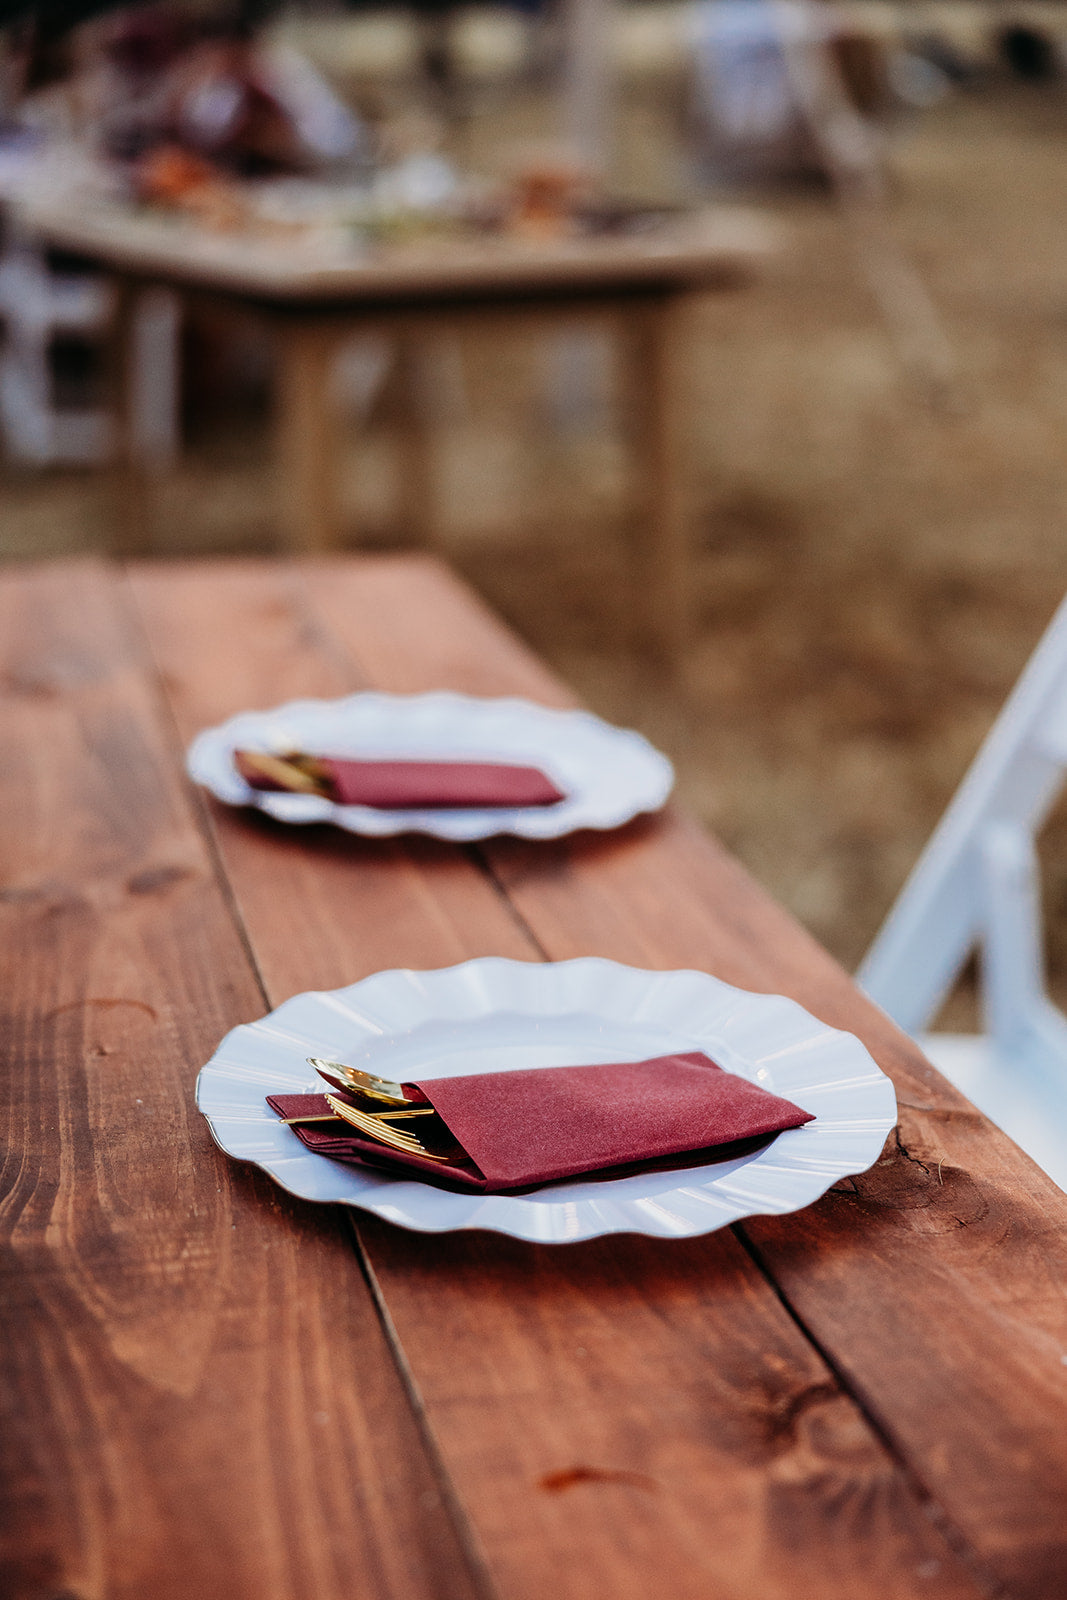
<point>294,771</point>
<point>373,1122</point>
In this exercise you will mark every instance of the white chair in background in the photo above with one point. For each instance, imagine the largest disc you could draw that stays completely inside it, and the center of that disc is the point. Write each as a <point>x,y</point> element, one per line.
<point>38,306</point>
<point>977,886</point>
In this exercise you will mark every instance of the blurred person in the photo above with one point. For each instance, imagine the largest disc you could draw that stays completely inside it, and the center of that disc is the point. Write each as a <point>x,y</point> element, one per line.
<point>218,91</point>
<point>130,81</point>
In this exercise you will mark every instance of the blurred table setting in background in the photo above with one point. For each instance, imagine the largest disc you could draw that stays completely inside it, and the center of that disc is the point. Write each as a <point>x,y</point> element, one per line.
<point>633,272</point>
<point>216,169</point>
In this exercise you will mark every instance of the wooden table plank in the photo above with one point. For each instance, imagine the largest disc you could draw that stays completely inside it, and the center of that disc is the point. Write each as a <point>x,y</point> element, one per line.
<point>614,1416</point>
<point>957,1345</point>
<point>183,1409</point>
<point>419,898</point>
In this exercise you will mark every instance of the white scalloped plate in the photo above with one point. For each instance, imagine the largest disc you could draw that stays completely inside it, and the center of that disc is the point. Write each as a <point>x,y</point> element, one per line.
<point>609,774</point>
<point>499,1015</point>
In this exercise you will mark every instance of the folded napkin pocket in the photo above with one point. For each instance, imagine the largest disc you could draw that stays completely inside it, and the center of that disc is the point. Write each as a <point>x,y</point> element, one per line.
<point>400,785</point>
<point>515,1130</point>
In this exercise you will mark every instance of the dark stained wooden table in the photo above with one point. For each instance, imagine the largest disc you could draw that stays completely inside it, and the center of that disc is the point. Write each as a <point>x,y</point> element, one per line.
<point>210,1389</point>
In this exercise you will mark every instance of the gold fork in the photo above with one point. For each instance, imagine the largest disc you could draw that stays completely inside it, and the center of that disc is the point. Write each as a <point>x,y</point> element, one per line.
<point>343,1110</point>
<point>384,1133</point>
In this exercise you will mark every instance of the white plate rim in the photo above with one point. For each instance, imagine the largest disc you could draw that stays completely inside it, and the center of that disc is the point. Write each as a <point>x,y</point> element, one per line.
<point>613,774</point>
<point>768,1038</point>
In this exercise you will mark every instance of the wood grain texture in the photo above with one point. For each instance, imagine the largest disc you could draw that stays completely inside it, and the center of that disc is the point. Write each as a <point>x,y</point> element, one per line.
<point>937,1281</point>
<point>183,1410</point>
<point>622,1417</point>
<point>338,906</point>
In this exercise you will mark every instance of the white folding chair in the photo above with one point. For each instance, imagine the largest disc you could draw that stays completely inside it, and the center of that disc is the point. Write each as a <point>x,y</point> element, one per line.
<point>977,885</point>
<point>37,306</point>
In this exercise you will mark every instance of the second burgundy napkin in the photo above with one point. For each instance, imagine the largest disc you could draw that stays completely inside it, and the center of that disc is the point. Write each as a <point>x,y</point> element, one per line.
<point>425,785</point>
<point>519,1129</point>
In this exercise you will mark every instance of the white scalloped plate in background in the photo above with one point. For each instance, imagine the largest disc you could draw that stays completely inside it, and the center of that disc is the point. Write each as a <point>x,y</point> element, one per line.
<point>498,1015</point>
<point>608,774</point>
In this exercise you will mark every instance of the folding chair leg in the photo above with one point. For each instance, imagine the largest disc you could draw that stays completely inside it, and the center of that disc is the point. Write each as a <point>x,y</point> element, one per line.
<point>155,377</point>
<point>949,898</point>
<point>1012,959</point>
<point>1020,1020</point>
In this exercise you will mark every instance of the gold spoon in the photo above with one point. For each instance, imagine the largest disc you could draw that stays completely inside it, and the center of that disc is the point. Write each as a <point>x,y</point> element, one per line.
<point>365,1083</point>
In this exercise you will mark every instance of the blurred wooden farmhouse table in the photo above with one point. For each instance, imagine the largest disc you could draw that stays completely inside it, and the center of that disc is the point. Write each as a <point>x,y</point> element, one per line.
<point>639,284</point>
<point>213,1390</point>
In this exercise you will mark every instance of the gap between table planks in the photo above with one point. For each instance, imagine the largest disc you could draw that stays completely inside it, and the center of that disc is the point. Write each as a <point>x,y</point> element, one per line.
<point>651,1405</point>
<point>198,1394</point>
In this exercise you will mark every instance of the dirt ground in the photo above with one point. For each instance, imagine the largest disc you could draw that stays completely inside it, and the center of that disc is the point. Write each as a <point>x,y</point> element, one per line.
<point>871,573</point>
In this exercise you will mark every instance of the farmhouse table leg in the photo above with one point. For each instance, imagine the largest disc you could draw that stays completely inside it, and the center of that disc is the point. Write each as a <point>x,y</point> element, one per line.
<point>416,459</point>
<point>130,498</point>
<point>655,410</point>
<point>307,437</point>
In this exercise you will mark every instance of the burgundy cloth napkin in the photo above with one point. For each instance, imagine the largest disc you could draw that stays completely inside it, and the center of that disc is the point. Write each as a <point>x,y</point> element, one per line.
<point>430,785</point>
<point>520,1129</point>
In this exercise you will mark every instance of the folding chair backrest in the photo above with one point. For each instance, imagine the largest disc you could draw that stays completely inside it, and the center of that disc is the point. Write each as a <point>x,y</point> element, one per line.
<point>976,883</point>
<point>747,107</point>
